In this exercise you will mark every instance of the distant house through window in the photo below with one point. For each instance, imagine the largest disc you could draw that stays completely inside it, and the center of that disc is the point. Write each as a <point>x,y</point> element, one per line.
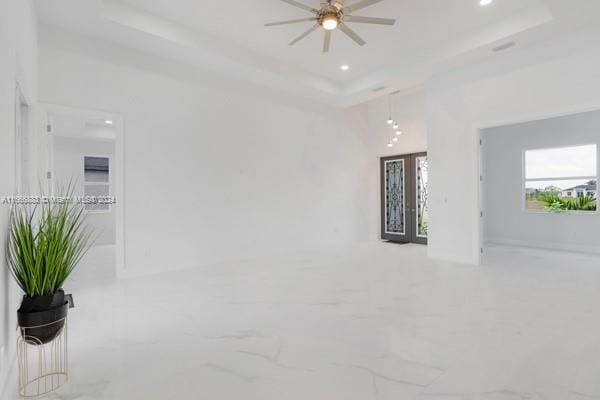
<point>96,182</point>
<point>561,179</point>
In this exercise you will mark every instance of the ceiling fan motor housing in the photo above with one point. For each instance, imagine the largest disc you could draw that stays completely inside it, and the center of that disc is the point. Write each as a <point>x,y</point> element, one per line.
<point>330,13</point>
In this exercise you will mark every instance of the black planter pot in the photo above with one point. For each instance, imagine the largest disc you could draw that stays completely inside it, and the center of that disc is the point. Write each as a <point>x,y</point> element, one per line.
<point>42,318</point>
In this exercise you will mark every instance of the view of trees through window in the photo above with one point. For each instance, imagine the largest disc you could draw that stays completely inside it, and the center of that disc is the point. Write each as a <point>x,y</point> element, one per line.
<point>561,179</point>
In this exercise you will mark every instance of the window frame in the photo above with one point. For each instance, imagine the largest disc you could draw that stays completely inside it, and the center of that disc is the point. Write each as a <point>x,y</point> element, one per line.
<point>109,183</point>
<point>524,181</point>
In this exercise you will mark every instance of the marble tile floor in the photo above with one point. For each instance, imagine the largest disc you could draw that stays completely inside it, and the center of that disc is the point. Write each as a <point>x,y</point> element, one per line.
<point>374,321</point>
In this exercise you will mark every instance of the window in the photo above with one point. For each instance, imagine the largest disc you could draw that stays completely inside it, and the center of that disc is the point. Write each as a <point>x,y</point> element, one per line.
<point>96,183</point>
<point>561,179</point>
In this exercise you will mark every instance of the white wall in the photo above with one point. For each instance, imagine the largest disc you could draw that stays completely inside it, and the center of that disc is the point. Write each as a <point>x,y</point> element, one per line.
<point>515,86</point>
<point>68,167</point>
<point>506,221</point>
<point>410,110</point>
<point>17,64</point>
<point>549,79</point>
<point>213,173</point>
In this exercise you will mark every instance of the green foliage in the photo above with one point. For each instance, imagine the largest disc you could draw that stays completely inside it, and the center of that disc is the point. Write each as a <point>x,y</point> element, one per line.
<point>548,197</point>
<point>45,244</point>
<point>556,206</point>
<point>586,203</point>
<point>423,228</point>
<point>565,204</point>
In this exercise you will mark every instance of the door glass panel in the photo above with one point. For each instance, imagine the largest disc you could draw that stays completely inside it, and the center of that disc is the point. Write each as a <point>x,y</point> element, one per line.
<point>394,197</point>
<point>422,166</point>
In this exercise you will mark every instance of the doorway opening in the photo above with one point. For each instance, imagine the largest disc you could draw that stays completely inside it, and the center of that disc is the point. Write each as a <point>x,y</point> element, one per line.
<point>85,154</point>
<point>405,198</point>
<point>539,184</point>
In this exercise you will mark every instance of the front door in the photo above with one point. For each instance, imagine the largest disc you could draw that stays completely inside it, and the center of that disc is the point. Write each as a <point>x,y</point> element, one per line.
<point>404,198</point>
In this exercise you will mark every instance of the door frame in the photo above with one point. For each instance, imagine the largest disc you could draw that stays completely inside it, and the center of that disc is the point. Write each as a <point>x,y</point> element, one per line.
<point>410,199</point>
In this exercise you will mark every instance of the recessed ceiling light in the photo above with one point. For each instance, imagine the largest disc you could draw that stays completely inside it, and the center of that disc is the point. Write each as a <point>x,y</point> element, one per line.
<point>345,67</point>
<point>108,122</point>
<point>485,2</point>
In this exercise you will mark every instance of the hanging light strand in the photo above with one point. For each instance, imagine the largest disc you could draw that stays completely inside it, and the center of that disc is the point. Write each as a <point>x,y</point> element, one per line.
<point>390,121</point>
<point>393,111</point>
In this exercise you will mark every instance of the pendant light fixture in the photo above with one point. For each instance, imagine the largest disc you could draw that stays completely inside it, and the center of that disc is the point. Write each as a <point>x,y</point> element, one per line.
<point>394,124</point>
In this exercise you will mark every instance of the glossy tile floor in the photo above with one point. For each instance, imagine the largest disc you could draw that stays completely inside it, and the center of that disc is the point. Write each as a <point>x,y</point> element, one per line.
<point>373,321</point>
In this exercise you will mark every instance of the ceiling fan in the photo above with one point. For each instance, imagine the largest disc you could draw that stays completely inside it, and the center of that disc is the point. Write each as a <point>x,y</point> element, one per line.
<point>334,14</point>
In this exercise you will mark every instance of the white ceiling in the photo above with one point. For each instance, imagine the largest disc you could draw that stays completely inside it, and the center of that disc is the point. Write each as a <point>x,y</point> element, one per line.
<point>82,124</point>
<point>228,36</point>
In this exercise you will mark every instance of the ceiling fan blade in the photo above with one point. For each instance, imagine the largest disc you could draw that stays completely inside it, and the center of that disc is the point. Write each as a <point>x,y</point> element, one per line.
<point>305,34</point>
<point>344,28</point>
<point>369,20</point>
<point>327,42</point>
<point>360,5</point>
<point>302,6</point>
<point>292,21</point>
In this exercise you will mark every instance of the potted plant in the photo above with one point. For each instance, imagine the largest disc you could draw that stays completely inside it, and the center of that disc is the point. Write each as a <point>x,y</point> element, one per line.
<point>45,243</point>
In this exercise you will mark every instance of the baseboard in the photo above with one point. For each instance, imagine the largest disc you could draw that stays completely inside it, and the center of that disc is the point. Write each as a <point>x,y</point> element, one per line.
<point>570,248</point>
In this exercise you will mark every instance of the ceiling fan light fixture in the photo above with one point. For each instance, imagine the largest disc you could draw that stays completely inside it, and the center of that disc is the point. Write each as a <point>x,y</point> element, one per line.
<point>330,22</point>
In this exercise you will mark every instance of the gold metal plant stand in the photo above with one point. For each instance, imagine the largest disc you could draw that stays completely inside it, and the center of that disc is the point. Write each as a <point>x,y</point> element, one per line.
<point>43,368</point>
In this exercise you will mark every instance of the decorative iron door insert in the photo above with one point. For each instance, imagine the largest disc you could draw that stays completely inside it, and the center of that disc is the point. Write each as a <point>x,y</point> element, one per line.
<point>395,221</point>
<point>421,205</point>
